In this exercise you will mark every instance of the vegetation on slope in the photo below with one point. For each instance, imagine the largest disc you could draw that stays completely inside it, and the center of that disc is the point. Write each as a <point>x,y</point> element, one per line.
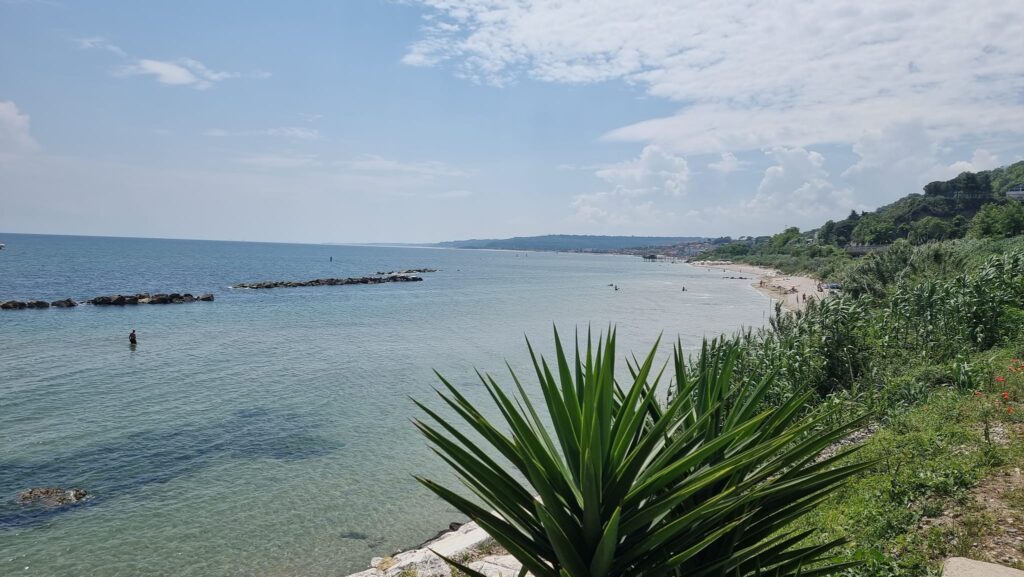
<point>927,341</point>
<point>972,205</point>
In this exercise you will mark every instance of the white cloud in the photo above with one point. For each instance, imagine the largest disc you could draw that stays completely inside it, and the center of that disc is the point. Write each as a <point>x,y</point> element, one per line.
<point>294,132</point>
<point>289,132</point>
<point>15,134</point>
<point>981,160</point>
<point>177,72</point>
<point>639,188</point>
<point>182,72</point>
<point>654,171</point>
<point>900,158</point>
<point>280,161</point>
<point>619,208</point>
<point>100,43</point>
<point>753,75</point>
<point>728,163</point>
<point>798,185</point>
<point>902,84</point>
<point>371,163</point>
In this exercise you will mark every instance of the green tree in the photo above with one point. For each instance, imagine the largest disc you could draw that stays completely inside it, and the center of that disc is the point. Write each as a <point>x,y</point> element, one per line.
<point>997,221</point>
<point>787,238</point>
<point>827,233</point>
<point>930,228</point>
<point>873,228</point>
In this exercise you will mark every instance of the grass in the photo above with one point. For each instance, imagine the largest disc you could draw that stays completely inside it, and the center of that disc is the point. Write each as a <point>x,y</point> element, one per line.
<point>915,507</point>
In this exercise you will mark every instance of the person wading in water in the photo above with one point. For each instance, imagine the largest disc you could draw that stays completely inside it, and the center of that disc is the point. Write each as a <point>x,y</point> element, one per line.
<point>131,338</point>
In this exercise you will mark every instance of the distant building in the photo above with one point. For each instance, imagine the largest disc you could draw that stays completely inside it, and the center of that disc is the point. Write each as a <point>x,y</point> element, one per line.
<point>1016,193</point>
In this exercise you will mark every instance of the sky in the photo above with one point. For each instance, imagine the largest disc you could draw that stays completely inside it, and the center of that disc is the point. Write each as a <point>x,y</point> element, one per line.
<point>421,121</point>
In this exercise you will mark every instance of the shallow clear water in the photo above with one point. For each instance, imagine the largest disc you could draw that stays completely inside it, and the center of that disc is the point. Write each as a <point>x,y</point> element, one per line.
<point>267,433</point>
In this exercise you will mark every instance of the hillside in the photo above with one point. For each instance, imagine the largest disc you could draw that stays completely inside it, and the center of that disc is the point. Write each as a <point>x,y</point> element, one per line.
<point>943,211</point>
<point>569,242</point>
<point>972,205</point>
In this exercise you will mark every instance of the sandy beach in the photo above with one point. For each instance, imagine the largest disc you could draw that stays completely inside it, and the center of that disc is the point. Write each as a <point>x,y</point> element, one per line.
<point>793,291</point>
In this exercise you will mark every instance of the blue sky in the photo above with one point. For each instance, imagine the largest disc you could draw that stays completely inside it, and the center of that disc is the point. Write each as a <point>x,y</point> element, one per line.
<point>407,121</point>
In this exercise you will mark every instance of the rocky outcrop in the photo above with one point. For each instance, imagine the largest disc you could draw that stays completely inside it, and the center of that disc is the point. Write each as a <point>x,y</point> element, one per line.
<point>64,304</point>
<point>148,299</point>
<point>407,271</point>
<point>329,282</point>
<point>12,305</point>
<point>37,305</point>
<point>52,496</point>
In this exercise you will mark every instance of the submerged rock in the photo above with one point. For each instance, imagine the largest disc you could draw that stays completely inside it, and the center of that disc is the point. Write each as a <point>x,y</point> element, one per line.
<point>37,305</point>
<point>66,303</point>
<point>52,496</point>
<point>10,305</point>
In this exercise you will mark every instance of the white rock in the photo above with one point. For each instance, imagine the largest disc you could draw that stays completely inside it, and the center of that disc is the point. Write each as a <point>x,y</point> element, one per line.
<point>962,567</point>
<point>368,573</point>
<point>423,561</point>
<point>498,566</point>
<point>467,537</point>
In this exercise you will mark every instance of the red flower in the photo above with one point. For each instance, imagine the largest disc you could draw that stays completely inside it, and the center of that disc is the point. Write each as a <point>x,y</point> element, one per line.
<point>1006,396</point>
<point>977,393</point>
<point>1000,379</point>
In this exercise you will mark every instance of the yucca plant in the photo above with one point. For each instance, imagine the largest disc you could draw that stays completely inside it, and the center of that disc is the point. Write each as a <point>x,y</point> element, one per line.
<point>622,483</point>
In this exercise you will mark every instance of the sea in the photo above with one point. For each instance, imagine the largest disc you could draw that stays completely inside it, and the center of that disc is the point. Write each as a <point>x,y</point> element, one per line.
<point>268,433</point>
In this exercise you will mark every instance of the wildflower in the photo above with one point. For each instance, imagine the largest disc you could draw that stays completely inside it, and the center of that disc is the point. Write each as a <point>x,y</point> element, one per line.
<point>1009,410</point>
<point>1000,379</point>
<point>977,393</point>
<point>1006,395</point>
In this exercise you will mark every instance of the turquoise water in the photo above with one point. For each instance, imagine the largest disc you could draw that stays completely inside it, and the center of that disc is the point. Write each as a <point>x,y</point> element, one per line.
<point>267,433</point>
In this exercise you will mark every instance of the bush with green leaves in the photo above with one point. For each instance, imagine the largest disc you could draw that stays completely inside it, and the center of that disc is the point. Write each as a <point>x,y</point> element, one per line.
<point>616,482</point>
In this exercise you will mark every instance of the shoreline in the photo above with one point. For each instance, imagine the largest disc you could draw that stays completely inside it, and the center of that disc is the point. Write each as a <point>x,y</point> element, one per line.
<point>792,291</point>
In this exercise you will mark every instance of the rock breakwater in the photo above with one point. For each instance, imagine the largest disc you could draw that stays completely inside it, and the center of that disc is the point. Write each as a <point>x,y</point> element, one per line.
<point>148,299</point>
<point>111,300</point>
<point>329,282</point>
<point>408,271</point>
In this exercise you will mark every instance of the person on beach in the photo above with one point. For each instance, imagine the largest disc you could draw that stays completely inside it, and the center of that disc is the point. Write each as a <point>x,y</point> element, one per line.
<point>131,338</point>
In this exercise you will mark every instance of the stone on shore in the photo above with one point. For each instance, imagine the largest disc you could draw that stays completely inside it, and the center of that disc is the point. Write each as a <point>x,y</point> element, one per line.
<point>497,566</point>
<point>52,496</point>
<point>963,567</point>
<point>425,561</point>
